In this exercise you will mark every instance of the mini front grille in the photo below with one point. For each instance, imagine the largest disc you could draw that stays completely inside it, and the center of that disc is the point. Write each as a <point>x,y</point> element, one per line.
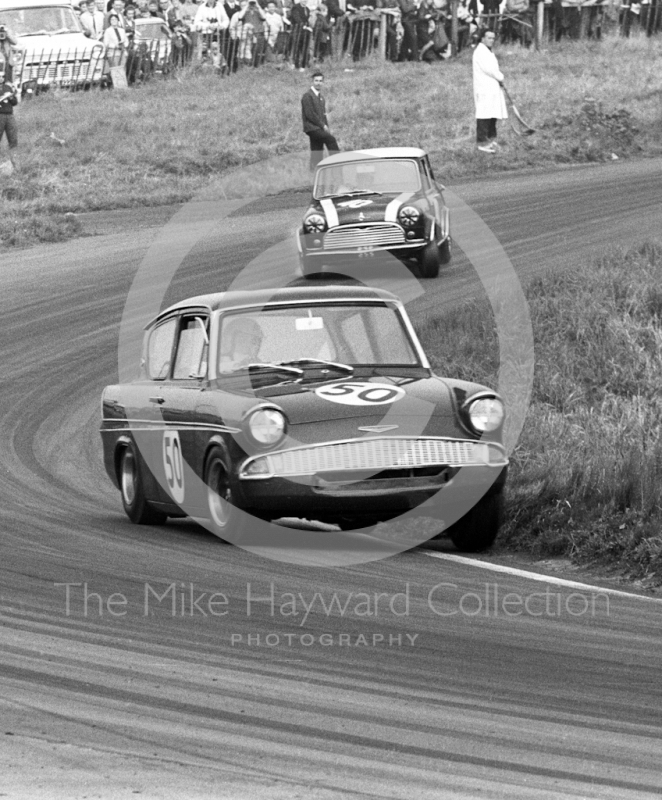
<point>350,237</point>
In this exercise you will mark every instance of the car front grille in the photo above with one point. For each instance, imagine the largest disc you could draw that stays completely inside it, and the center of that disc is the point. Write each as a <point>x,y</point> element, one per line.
<point>57,72</point>
<point>350,237</point>
<point>376,454</point>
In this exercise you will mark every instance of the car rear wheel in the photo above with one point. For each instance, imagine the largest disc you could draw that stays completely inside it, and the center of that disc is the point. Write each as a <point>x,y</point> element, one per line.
<point>430,261</point>
<point>477,530</point>
<point>136,506</point>
<point>227,521</point>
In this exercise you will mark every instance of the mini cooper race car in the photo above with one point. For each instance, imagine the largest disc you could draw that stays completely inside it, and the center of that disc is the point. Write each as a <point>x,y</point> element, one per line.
<point>369,201</point>
<point>300,402</point>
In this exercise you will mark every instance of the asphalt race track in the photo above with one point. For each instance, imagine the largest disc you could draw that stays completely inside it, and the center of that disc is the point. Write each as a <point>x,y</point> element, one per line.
<point>166,676</point>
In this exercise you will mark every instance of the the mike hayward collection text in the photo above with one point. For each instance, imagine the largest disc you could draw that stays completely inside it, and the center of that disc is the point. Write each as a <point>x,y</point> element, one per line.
<point>444,599</point>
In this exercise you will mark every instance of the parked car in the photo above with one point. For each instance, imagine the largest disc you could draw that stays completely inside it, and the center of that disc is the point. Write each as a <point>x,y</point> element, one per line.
<point>52,49</point>
<point>303,402</point>
<point>369,201</point>
<point>152,44</point>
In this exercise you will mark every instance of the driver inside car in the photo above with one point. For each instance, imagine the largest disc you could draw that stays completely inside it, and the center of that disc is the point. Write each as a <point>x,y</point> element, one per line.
<point>241,340</point>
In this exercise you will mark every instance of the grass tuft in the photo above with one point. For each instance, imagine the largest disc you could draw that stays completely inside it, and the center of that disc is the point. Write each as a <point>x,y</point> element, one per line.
<point>586,476</point>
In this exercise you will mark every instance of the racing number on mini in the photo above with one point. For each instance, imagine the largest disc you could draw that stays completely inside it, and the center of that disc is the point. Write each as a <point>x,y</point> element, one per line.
<point>173,465</point>
<point>360,394</point>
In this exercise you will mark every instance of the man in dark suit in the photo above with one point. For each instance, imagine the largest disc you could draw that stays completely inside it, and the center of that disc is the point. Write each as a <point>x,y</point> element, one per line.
<point>315,123</point>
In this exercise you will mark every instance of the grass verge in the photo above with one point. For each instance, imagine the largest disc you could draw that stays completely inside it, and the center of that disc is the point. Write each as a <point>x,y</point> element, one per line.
<point>586,475</point>
<point>166,141</point>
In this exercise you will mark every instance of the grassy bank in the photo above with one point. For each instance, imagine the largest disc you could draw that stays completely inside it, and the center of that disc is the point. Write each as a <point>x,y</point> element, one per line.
<point>586,479</point>
<point>164,142</point>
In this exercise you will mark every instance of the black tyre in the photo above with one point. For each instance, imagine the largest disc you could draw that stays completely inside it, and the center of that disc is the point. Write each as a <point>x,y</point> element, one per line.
<point>309,269</point>
<point>477,530</point>
<point>228,522</point>
<point>446,251</point>
<point>137,508</point>
<point>430,261</point>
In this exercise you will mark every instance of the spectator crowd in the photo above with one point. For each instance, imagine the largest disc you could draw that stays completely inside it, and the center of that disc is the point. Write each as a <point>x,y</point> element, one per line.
<point>297,32</point>
<point>142,37</point>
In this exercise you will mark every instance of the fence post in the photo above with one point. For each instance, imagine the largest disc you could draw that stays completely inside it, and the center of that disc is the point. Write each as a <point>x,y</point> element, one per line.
<point>540,23</point>
<point>382,34</point>
<point>196,46</point>
<point>454,4</point>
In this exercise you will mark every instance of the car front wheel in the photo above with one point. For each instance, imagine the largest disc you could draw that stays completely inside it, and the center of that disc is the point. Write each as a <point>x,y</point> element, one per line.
<point>477,529</point>
<point>227,521</point>
<point>430,260</point>
<point>137,508</point>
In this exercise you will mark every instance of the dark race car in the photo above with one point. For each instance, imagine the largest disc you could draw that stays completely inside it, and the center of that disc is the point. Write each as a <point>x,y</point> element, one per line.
<point>317,404</point>
<point>369,201</point>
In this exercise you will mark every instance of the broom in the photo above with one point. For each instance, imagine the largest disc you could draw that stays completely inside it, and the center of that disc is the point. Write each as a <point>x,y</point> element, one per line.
<point>527,129</point>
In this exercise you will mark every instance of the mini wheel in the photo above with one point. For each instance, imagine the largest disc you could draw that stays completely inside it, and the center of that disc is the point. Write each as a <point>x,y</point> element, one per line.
<point>137,508</point>
<point>446,251</point>
<point>430,260</point>
<point>309,268</point>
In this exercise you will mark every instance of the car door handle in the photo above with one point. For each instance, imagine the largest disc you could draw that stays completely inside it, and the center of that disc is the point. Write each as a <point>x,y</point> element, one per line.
<point>158,400</point>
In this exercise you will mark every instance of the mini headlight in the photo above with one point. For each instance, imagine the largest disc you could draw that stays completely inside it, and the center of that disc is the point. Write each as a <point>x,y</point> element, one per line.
<point>409,216</point>
<point>267,425</point>
<point>314,223</point>
<point>486,414</point>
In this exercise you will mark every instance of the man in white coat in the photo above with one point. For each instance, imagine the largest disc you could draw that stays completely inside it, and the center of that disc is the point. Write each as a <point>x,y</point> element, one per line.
<point>488,94</point>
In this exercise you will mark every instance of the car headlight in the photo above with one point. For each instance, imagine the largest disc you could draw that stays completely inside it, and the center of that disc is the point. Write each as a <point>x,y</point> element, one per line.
<point>485,414</point>
<point>314,223</point>
<point>409,216</point>
<point>267,425</point>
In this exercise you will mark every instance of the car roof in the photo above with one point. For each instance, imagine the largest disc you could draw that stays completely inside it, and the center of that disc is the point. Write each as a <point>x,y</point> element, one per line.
<point>377,152</point>
<point>261,297</point>
<point>6,5</point>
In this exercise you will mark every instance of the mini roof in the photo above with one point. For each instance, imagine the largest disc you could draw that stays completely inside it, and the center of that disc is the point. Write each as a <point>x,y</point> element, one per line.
<point>262,297</point>
<point>377,152</point>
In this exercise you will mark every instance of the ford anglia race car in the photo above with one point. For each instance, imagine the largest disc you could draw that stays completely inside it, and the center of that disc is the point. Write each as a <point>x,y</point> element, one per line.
<point>300,402</point>
<point>370,201</point>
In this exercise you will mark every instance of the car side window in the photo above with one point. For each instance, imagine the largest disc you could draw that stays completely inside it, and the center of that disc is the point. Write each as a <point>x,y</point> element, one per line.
<point>159,350</point>
<point>192,349</point>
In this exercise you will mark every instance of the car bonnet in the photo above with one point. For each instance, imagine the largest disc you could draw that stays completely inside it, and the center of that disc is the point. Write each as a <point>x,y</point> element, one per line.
<point>347,209</point>
<point>368,399</point>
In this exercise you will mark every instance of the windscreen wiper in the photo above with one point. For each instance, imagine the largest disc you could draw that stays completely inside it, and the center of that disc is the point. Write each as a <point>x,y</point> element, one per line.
<point>316,362</point>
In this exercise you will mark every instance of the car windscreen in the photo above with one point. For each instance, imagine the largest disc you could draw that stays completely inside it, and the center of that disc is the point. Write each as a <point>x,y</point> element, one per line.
<point>152,31</point>
<point>376,175</point>
<point>40,20</point>
<point>347,333</point>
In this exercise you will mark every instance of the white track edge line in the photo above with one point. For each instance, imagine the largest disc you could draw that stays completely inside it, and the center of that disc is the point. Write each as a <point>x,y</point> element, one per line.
<point>535,576</point>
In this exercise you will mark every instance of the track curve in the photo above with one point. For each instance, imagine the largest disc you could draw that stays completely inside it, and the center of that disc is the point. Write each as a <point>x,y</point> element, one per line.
<point>109,698</point>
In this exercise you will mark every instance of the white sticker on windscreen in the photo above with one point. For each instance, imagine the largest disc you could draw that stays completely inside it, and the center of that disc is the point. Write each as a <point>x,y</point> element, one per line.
<point>360,393</point>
